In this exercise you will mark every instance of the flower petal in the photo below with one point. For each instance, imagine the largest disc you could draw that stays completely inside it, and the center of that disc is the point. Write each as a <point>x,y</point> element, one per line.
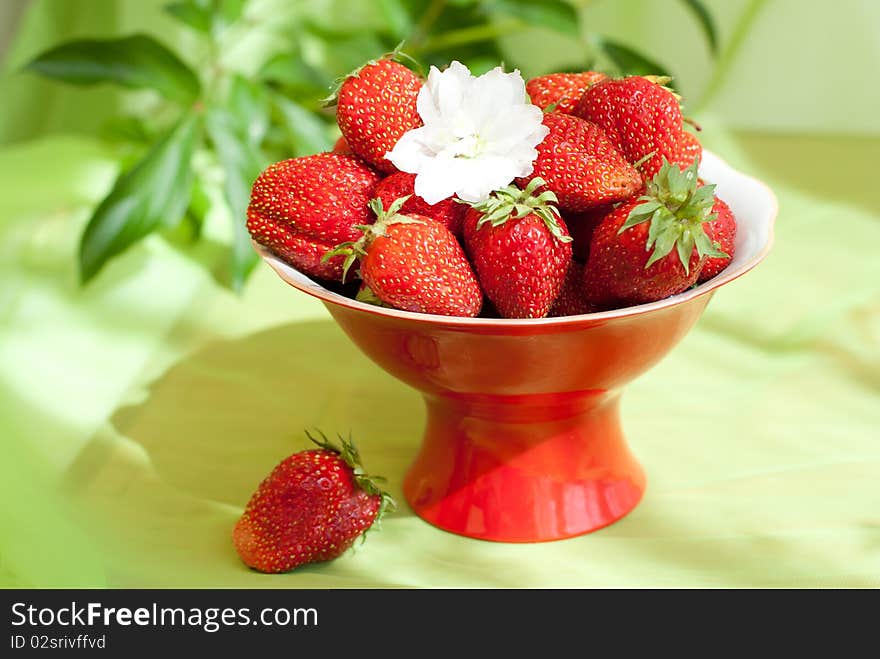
<point>409,154</point>
<point>478,134</point>
<point>437,180</point>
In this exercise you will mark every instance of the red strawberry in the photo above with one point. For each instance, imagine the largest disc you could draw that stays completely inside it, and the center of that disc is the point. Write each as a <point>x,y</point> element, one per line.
<point>413,263</point>
<point>581,226</point>
<point>401,184</point>
<point>341,146</point>
<point>622,270</point>
<point>640,116</point>
<point>571,300</point>
<point>520,249</point>
<point>302,207</point>
<point>375,106</point>
<point>312,507</point>
<point>581,166</point>
<point>689,149</point>
<point>722,231</point>
<point>563,89</point>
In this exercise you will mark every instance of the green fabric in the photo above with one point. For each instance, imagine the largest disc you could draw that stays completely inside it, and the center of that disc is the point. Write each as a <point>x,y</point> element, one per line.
<point>154,402</point>
<point>137,415</point>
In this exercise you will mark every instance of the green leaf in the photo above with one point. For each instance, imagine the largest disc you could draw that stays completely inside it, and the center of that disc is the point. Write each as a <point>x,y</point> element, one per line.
<point>196,15</point>
<point>154,193</point>
<point>659,220</point>
<point>291,70</point>
<point>685,247</point>
<point>704,17</point>
<point>705,246</point>
<point>629,61</point>
<point>338,53</point>
<point>366,294</point>
<point>137,61</point>
<point>556,15</point>
<point>242,163</point>
<point>396,17</point>
<point>638,215</point>
<point>665,242</point>
<point>249,103</point>
<point>307,132</point>
<point>231,10</point>
<point>207,16</point>
<point>128,129</point>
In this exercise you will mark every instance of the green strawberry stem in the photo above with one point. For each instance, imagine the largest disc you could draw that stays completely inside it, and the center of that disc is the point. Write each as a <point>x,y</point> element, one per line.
<point>366,294</point>
<point>512,202</point>
<point>352,457</point>
<point>353,250</point>
<point>677,209</point>
<point>663,81</point>
<point>397,55</point>
<point>691,122</point>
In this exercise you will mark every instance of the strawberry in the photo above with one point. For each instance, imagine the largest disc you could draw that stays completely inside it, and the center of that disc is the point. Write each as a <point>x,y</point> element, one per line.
<point>302,207</point>
<point>413,263</point>
<point>401,184</point>
<point>312,507</point>
<point>622,269</point>
<point>520,248</point>
<point>689,149</point>
<point>341,146</point>
<point>571,300</point>
<point>581,226</point>
<point>722,231</point>
<point>375,106</point>
<point>562,91</point>
<point>581,165</point>
<point>640,116</point>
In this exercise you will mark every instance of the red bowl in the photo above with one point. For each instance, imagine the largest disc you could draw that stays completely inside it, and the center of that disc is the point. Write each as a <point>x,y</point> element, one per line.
<point>523,440</point>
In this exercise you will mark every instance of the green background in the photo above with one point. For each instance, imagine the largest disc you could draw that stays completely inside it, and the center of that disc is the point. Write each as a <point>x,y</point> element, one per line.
<point>138,414</point>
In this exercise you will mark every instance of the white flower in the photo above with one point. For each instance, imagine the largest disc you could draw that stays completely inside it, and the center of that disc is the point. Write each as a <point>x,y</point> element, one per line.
<point>478,134</point>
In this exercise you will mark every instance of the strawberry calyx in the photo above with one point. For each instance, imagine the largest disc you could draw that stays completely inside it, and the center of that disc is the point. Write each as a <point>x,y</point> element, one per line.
<point>396,55</point>
<point>663,81</point>
<point>347,450</point>
<point>365,294</point>
<point>354,250</point>
<point>513,202</point>
<point>677,208</point>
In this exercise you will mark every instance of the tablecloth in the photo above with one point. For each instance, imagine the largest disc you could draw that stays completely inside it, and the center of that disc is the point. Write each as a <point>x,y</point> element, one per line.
<point>138,414</point>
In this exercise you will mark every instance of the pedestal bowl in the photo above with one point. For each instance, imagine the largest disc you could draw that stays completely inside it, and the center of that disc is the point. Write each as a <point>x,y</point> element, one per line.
<point>523,441</point>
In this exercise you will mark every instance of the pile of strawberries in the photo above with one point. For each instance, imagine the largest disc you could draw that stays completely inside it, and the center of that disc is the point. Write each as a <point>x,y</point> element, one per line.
<point>613,214</point>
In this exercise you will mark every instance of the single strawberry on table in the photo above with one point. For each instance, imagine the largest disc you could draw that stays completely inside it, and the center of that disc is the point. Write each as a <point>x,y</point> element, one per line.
<point>520,249</point>
<point>311,508</point>
<point>581,165</point>
<point>640,116</point>
<point>448,212</point>
<point>653,246</point>
<point>561,90</point>
<point>300,208</point>
<point>375,106</point>
<point>413,263</point>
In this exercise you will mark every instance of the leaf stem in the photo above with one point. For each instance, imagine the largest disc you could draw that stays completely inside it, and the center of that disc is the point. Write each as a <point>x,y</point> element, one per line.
<point>471,35</point>
<point>730,51</point>
<point>420,32</point>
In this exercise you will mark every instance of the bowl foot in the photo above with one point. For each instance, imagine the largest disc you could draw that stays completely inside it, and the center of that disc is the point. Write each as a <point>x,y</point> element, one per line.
<point>523,468</point>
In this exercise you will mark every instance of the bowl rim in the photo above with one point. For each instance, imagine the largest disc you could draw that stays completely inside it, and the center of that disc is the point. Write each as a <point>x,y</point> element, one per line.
<point>724,277</point>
